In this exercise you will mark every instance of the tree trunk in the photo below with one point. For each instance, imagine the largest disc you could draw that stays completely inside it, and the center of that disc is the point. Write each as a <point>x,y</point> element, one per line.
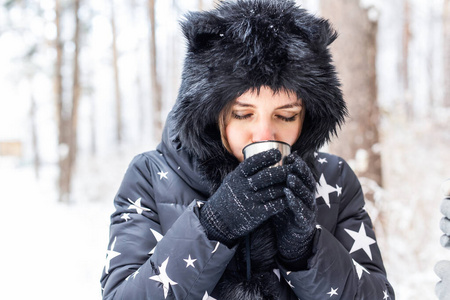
<point>116,77</point>
<point>67,112</point>
<point>142,114</point>
<point>76,89</point>
<point>355,55</point>
<point>34,137</point>
<point>155,85</point>
<point>63,134</point>
<point>92,117</point>
<point>406,39</point>
<point>446,18</point>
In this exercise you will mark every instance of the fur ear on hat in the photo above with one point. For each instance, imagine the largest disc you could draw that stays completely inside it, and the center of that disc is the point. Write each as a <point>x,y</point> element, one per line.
<point>243,45</point>
<point>202,30</point>
<point>318,32</point>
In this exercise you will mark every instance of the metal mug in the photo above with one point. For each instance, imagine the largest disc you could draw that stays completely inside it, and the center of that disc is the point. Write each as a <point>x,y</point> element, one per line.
<point>257,147</point>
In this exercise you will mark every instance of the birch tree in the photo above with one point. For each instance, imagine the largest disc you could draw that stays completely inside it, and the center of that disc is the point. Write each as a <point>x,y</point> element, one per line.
<point>63,139</point>
<point>117,91</point>
<point>156,91</point>
<point>76,88</point>
<point>446,17</point>
<point>404,75</point>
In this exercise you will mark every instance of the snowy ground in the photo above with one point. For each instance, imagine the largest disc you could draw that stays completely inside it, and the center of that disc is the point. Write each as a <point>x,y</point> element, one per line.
<point>49,250</point>
<point>416,161</point>
<point>55,251</point>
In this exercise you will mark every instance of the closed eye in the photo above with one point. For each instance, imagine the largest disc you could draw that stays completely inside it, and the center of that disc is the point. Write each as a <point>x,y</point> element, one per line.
<point>241,116</point>
<point>288,119</point>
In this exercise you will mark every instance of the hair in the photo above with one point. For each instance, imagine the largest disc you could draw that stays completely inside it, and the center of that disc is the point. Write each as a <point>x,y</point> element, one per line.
<point>224,118</point>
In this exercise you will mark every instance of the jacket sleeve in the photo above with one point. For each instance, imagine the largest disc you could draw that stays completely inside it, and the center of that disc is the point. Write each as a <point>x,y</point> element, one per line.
<point>141,263</point>
<point>348,263</point>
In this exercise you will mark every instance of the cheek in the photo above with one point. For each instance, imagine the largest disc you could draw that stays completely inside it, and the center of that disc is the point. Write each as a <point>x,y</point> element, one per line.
<point>236,137</point>
<point>291,133</point>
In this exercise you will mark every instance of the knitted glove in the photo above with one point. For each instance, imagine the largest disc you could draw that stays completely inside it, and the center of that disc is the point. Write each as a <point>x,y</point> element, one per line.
<point>445,210</point>
<point>247,197</point>
<point>295,226</point>
<point>442,289</point>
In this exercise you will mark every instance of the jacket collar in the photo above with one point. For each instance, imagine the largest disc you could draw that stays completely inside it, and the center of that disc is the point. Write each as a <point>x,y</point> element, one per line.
<point>184,164</point>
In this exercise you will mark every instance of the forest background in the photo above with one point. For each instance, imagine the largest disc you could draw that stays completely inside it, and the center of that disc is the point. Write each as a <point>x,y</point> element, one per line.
<point>86,85</point>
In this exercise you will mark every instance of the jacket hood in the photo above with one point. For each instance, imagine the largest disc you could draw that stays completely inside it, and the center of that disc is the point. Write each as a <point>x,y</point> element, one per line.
<point>244,45</point>
<point>203,175</point>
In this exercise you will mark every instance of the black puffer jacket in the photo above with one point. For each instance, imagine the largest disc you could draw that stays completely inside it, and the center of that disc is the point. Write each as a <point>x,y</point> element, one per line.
<point>159,250</point>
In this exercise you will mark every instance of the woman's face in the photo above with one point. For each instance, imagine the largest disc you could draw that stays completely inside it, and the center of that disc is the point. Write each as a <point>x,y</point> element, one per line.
<point>265,116</point>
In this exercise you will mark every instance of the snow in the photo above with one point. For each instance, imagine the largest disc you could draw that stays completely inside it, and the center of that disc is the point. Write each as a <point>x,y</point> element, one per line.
<point>49,250</point>
<point>57,251</point>
<point>415,162</point>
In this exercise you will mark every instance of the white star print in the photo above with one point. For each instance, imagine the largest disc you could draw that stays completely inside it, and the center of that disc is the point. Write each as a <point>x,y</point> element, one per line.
<point>189,261</point>
<point>386,295</point>
<point>135,274</point>
<point>125,216</point>
<point>322,160</point>
<point>164,278</point>
<point>333,292</point>
<point>362,241</point>
<point>323,190</point>
<point>290,284</point>
<point>200,203</point>
<point>110,254</point>
<point>158,236</point>
<point>162,175</point>
<point>207,297</point>
<point>137,206</point>
<point>215,249</point>
<point>277,273</point>
<point>359,269</point>
<point>132,275</point>
<point>338,190</point>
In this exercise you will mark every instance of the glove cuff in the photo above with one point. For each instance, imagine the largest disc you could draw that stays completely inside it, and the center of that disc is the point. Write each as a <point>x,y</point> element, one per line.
<point>295,255</point>
<point>215,228</point>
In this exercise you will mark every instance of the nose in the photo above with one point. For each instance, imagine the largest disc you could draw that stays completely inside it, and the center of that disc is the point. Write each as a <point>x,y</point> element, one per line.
<point>263,131</point>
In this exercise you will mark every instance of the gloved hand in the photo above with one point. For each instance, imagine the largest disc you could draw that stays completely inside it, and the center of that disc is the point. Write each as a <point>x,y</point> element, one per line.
<point>296,225</point>
<point>247,197</point>
<point>445,210</point>
<point>442,289</point>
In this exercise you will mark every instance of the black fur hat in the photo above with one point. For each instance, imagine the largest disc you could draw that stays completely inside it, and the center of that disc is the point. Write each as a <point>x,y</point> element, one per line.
<point>243,45</point>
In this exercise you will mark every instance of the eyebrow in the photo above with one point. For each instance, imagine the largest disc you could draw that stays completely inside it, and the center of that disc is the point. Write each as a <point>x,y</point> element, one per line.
<point>243,104</point>
<point>291,105</point>
<point>295,104</point>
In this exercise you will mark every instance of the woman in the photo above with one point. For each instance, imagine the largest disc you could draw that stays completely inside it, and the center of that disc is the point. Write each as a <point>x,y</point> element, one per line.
<point>255,70</point>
